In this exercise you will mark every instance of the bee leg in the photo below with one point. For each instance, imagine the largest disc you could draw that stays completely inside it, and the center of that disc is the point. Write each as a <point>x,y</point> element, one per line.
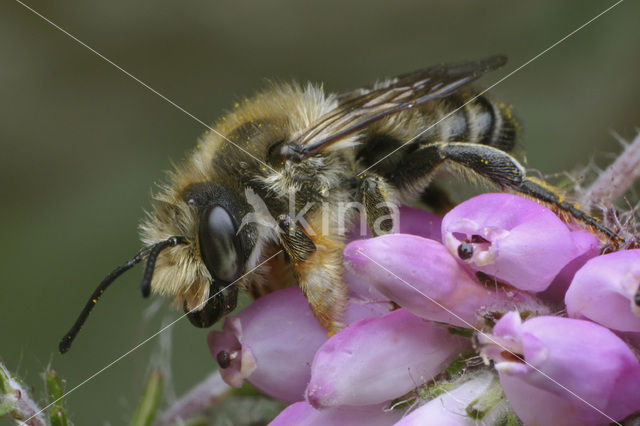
<point>505,171</point>
<point>553,199</point>
<point>374,193</point>
<point>491,163</point>
<point>317,266</point>
<point>295,241</point>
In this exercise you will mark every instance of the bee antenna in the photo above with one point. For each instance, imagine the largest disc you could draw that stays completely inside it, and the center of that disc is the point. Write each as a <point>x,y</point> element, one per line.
<point>152,251</point>
<point>145,285</point>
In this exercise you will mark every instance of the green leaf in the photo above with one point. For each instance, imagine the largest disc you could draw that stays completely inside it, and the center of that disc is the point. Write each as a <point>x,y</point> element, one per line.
<point>148,406</point>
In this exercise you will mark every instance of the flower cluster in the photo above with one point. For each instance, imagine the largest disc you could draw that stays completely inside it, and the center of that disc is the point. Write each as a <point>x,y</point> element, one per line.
<point>455,320</point>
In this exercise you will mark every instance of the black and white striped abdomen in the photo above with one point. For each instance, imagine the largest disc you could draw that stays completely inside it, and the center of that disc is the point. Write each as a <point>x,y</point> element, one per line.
<point>467,118</point>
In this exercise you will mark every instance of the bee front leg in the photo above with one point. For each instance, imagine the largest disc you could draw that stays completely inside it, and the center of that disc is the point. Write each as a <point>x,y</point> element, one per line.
<point>317,266</point>
<point>375,193</point>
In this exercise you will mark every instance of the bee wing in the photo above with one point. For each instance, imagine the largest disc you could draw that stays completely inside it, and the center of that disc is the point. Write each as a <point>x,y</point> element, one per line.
<point>359,108</point>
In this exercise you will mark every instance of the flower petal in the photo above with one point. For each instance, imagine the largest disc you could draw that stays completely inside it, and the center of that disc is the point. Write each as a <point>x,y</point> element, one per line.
<point>515,240</point>
<point>419,222</point>
<point>281,335</point>
<point>272,342</point>
<point>422,276</point>
<point>409,220</point>
<point>377,359</point>
<point>302,414</point>
<point>603,291</point>
<point>580,369</point>
<point>588,247</point>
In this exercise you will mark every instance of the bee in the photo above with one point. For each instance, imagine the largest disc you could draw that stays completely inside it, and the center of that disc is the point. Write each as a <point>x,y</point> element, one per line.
<point>244,209</point>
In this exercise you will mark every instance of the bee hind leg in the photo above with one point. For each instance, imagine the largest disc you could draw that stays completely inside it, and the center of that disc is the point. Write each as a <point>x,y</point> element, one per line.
<point>317,266</point>
<point>502,169</point>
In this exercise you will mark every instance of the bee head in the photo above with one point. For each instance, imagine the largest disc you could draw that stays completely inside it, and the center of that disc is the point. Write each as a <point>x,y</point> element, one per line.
<point>196,251</point>
<point>223,247</point>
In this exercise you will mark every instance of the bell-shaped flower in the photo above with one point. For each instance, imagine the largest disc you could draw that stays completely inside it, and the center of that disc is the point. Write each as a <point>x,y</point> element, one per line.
<point>588,247</point>
<point>302,414</point>
<point>515,240</point>
<point>604,290</point>
<point>409,221</point>
<point>421,275</point>
<point>272,342</point>
<point>556,369</point>
<point>378,359</point>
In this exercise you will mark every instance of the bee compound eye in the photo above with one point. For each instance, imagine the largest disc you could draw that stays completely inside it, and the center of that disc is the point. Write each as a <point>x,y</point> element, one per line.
<point>220,245</point>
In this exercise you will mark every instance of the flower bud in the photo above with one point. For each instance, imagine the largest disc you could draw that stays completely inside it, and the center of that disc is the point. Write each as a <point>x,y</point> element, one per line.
<point>604,289</point>
<point>271,342</point>
<point>377,359</point>
<point>423,277</point>
<point>553,369</point>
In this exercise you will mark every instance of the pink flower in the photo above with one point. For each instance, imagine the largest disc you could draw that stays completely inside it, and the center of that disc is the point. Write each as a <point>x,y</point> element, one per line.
<point>553,369</point>
<point>423,277</point>
<point>513,239</point>
<point>377,359</point>
<point>499,250</point>
<point>272,342</point>
<point>410,221</point>
<point>588,247</point>
<point>302,414</point>
<point>603,290</point>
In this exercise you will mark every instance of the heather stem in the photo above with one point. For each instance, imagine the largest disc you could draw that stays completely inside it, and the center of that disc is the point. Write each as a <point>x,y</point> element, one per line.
<point>202,396</point>
<point>15,401</point>
<point>617,178</point>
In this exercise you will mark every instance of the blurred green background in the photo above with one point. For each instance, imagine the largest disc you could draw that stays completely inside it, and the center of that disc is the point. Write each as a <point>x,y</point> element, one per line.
<point>83,144</point>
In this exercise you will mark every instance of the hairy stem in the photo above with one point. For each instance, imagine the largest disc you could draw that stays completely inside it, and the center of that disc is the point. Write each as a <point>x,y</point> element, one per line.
<point>207,392</point>
<point>613,182</point>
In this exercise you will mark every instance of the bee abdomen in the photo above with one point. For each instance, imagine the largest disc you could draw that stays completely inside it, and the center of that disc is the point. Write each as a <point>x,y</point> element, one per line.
<point>479,121</point>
